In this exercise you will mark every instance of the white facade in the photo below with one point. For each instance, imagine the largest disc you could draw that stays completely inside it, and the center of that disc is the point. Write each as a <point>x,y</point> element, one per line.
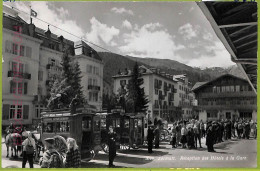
<point>160,105</point>
<point>36,57</point>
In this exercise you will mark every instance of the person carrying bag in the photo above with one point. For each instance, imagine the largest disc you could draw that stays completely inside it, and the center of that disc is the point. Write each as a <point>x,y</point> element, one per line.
<point>28,150</point>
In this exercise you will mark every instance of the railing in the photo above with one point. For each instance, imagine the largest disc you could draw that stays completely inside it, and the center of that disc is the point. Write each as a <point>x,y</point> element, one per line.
<point>230,106</point>
<point>19,75</point>
<point>53,68</point>
<point>92,87</point>
<point>229,94</point>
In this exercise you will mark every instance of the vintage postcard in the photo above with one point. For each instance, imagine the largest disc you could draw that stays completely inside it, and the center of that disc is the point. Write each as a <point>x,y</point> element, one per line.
<point>129,84</point>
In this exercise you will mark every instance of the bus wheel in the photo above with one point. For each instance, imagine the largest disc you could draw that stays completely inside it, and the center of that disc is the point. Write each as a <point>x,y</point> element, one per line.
<point>105,147</point>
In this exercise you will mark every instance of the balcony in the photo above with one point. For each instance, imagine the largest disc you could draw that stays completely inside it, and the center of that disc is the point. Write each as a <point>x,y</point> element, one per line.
<point>19,75</point>
<point>229,106</point>
<point>53,68</point>
<point>92,87</point>
<point>228,94</point>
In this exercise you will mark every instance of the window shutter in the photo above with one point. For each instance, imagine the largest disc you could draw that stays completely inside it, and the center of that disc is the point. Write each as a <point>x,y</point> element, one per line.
<point>25,111</point>
<point>25,88</point>
<point>7,46</point>
<point>28,51</point>
<point>5,114</point>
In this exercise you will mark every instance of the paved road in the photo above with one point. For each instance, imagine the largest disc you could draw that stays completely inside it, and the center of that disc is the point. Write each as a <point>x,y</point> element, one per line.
<point>233,153</point>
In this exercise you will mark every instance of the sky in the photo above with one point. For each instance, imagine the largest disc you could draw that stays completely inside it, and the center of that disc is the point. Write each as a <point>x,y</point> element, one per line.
<point>165,30</point>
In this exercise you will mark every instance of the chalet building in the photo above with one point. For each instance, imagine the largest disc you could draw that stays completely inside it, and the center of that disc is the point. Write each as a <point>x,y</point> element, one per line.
<point>40,53</point>
<point>226,97</point>
<point>160,89</point>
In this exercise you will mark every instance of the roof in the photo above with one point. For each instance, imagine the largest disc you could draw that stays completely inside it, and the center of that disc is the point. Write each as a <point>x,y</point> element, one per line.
<point>206,83</point>
<point>236,26</point>
<point>198,84</point>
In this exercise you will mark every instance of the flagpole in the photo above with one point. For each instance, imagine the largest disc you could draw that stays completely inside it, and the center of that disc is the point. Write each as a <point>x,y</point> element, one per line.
<point>31,14</point>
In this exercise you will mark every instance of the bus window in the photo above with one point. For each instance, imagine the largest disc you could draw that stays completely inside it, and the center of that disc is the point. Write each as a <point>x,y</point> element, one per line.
<point>103,124</point>
<point>118,123</point>
<point>86,124</point>
<point>62,127</point>
<point>96,125</point>
<point>126,123</point>
<point>48,127</point>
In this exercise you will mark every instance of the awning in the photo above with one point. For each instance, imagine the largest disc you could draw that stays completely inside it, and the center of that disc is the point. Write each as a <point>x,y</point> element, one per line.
<point>235,24</point>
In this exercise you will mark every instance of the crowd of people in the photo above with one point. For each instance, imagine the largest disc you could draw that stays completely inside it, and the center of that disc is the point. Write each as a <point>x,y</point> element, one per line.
<point>188,133</point>
<point>184,134</point>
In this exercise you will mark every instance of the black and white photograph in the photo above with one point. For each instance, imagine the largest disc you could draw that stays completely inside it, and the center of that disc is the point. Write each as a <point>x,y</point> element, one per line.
<point>108,84</point>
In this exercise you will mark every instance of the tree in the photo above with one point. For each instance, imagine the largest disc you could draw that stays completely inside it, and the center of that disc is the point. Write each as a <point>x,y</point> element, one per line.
<point>67,91</point>
<point>58,94</point>
<point>136,96</point>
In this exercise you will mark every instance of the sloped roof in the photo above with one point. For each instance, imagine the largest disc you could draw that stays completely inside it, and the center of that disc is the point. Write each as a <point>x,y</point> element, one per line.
<point>206,83</point>
<point>198,84</point>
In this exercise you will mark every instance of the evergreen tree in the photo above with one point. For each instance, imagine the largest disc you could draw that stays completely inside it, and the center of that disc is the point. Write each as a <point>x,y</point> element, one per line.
<point>67,91</point>
<point>77,93</point>
<point>136,96</point>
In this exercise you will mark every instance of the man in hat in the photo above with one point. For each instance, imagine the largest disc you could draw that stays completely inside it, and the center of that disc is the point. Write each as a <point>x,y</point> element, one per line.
<point>112,145</point>
<point>150,137</point>
<point>157,136</point>
<point>51,158</point>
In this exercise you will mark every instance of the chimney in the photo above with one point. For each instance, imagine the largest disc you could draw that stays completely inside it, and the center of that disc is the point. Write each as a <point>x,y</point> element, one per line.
<point>48,32</point>
<point>31,29</point>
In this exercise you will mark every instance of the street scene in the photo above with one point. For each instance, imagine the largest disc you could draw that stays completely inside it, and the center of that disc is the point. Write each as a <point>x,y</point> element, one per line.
<point>132,85</point>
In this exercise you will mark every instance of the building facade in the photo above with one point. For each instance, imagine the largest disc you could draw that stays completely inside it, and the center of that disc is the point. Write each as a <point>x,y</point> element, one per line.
<point>31,59</point>
<point>185,98</point>
<point>160,90</point>
<point>226,97</point>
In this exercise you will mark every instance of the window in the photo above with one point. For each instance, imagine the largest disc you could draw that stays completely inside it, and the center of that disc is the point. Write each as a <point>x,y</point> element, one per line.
<point>97,70</point>
<point>18,67</point>
<point>52,62</point>
<point>14,49</point>
<point>214,89</point>
<point>12,111</point>
<point>62,126</point>
<point>48,127</point>
<point>38,110</point>
<point>227,88</point>
<point>237,88</point>
<point>90,96</point>
<point>8,48</point>
<point>19,112</point>
<point>89,69</point>
<point>40,75</point>
<point>20,88</point>
<point>28,51</point>
<point>95,96</point>
<point>223,89</point>
<point>122,82</point>
<point>232,89</point>
<point>22,50</point>
<point>13,88</point>
<point>90,82</point>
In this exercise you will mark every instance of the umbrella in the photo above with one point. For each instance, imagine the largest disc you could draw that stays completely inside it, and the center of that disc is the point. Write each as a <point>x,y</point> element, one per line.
<point>60,144</point>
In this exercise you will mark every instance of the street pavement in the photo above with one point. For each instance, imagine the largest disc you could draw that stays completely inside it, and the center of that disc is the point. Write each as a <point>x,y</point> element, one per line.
<point>232,153</point>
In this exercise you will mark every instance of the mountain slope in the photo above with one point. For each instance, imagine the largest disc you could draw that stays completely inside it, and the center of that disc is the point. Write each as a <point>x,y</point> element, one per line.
<point>114,62</point>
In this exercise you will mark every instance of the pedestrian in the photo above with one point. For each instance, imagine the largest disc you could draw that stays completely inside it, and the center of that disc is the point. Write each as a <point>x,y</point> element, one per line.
<point>239,129</point>
<point>202,129</point>
<point>112,146</point>
<point>51,157</point>
<point>28,150</point>
<point>73,159</point>
<point>150,138</point>
<point>210,139</point>
<point>190,138</point>
<point>178,134</point>
<point>157,137</point>
<point>247,130</point>
<point>183,135</point>
<point>197,135</point>
<point>174,133</point>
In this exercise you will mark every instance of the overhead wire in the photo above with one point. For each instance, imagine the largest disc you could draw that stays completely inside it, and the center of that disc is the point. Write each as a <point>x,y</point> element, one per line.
<point>62,29</point>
